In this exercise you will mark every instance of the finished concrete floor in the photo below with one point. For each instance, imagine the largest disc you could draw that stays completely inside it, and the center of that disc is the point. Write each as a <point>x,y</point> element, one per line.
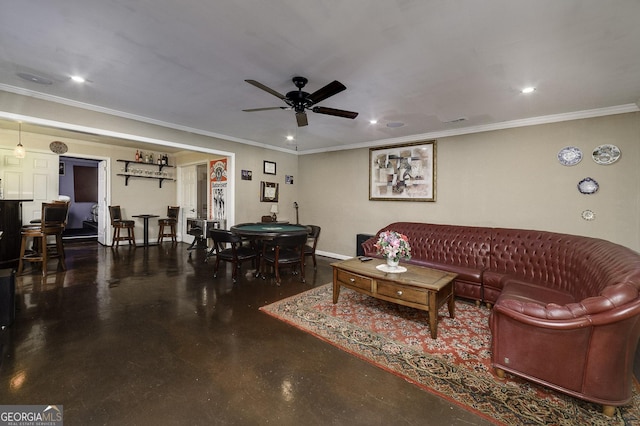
<point>149,337</point>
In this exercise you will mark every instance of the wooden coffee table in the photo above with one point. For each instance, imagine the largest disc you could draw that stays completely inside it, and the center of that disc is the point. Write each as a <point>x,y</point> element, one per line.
<point>419,287</point>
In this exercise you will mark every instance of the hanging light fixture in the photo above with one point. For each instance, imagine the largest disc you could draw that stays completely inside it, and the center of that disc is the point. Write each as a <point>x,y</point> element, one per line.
<point>19,150</point>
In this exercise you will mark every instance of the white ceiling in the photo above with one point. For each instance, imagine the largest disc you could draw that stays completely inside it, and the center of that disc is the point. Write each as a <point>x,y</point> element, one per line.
<point>422,63</point>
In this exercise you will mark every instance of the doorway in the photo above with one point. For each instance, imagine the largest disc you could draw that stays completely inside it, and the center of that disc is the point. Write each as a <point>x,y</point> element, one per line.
<point>83,181</point>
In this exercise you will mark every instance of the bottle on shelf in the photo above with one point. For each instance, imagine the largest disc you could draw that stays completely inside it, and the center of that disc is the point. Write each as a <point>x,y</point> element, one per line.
<point>137,156</point>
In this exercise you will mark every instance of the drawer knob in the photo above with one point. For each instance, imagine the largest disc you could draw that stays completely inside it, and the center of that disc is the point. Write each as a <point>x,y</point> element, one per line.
<point>353,280</point>
<point>399,292</point>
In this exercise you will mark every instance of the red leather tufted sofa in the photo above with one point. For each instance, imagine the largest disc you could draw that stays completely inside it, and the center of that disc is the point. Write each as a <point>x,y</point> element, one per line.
<point>566,308</point>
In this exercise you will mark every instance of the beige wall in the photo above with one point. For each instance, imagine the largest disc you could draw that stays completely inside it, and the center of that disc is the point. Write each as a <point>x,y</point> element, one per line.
<point>506,178</point>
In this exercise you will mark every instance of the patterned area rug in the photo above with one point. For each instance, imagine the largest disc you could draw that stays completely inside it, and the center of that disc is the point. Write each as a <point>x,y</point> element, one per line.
<point>455,366</point>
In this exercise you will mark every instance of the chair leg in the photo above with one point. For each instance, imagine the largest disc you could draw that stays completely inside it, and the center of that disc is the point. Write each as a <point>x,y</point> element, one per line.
<point>174,234</point>
<point>23,248</point>
<point>116,236</point>
<point>133,237</point>
<point>45,258</point>
<point>60,247</point>
<point>160,233</point>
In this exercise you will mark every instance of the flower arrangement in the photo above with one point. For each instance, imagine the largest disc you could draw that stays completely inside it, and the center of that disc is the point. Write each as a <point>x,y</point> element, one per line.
<point>393,245</point>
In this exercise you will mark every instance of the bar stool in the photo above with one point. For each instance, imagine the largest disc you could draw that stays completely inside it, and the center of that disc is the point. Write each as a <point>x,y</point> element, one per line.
<point>54,216</point>
<point>170,221</point>
<point>118,223</point>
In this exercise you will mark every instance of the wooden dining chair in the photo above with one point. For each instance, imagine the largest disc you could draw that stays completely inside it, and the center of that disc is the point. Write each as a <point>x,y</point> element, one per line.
<point>312,243</point>
<point>228,247</point>
<point>118,223</point>
<point>169,222</point>
<point>52,223</point>
<point>285,250</point>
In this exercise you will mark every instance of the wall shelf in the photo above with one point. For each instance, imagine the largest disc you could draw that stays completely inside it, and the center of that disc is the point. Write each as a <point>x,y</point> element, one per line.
<point>127,175</point>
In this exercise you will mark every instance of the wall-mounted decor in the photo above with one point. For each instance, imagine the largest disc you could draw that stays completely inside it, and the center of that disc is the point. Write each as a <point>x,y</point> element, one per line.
<point>58,147</point>
<point>61,168</point>
<point>288,179</point>
<point>588,186</point>
<point>403,172</point>
<point>570,156</point>
<point>588,215</point>
<point>606,154</point>
<point>269,192</point>
<point>269,168</point>
<point>218,181</point>
<point>247,174</point>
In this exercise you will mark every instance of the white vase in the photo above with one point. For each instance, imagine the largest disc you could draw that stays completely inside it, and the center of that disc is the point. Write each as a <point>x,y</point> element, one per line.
<point>392,263</point>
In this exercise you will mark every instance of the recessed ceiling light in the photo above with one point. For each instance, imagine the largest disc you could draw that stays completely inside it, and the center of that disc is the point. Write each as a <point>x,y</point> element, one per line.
<point>528,90</point>
<point>289,138</point>
<point>33,78</point>
<point>395,124</point>
<point>374,121</point>
<point>78,79</point>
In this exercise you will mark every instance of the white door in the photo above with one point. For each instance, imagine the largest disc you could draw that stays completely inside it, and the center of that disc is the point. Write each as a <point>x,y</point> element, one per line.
<point>188,198</point>
<point>34,177</point>
<point>103,223</point>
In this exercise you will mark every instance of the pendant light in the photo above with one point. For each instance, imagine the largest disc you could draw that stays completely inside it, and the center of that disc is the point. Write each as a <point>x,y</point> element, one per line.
<point>19,150</point>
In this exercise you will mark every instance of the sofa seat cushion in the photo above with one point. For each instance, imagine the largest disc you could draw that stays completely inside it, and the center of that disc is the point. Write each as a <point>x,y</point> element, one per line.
<point>537,301</point>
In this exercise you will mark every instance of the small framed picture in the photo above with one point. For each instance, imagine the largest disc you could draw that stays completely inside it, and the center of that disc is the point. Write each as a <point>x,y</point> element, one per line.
<point>288,179</point>
<point>269,168</point>
<point>246,174</point>
<point>61,168</point>
<point>269,192</point>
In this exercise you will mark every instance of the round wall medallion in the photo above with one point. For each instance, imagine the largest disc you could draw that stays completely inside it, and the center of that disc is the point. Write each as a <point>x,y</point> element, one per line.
<point>58,147</point>
<point>588,186</point>
<point>606,154</point>
<point>570,156</point>
<point>588,215</point>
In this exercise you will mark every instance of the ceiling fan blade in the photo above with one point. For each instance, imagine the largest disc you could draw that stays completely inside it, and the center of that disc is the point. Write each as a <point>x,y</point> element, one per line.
<point>301,117</point>
<point>264,109</point>
<point>327,91</point>
<point>336,112</point>
<point>266,89</point>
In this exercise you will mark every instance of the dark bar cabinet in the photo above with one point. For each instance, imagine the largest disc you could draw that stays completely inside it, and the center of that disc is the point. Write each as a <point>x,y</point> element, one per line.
<point>10,224</point>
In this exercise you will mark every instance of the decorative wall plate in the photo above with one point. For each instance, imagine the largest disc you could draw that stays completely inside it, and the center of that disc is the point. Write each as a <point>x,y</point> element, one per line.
<point>588,215</point>
<point>570,156</point>
<point>58,147</point>
<point>606,154</point>
<point>588,186</point>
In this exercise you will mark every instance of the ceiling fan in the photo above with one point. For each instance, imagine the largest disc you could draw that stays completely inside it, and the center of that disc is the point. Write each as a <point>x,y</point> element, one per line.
<point>301,101</point>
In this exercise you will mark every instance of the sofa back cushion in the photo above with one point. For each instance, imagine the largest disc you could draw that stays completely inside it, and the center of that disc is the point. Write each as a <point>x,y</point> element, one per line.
<point>580,266</point>
<point>466,246</point>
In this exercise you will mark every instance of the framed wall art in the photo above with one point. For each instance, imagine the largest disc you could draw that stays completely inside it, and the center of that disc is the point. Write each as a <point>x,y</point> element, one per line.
<point>269,168</point>
<point>403,172</point>
<point>269,192</point>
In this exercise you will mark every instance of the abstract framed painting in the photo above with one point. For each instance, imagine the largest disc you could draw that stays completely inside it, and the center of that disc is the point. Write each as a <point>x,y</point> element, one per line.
<point>403,172</point>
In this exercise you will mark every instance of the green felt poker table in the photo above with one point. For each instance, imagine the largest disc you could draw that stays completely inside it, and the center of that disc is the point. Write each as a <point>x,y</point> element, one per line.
<point>268,230</point>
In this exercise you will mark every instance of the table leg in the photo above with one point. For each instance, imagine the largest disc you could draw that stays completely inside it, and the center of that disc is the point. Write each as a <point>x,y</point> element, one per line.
<point>336,286</point>
<point>433,315</point>
<point>146,232</point>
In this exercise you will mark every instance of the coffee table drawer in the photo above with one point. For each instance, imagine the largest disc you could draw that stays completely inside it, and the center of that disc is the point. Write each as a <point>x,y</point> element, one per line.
<point>389,289</point>
<point>354,280</point>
